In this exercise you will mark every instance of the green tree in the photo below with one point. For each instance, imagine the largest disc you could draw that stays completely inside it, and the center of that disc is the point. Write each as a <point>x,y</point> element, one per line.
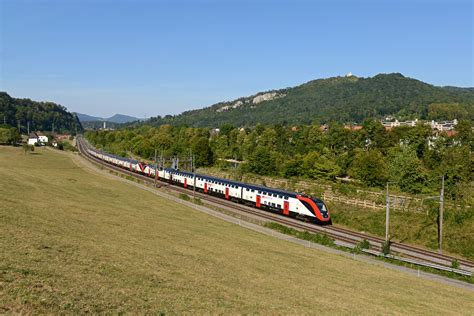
<point>369,167</point>
<point>318,166</point>
<point>465,135</point>
<point>202,152</point>
<point>407,170</point>
<point>262,162</point>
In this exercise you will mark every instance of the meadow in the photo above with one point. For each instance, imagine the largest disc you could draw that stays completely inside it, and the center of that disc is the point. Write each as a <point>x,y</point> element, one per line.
<point>73,241</point>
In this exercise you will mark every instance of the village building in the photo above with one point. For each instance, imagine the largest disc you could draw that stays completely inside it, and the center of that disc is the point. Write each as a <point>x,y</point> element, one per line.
<point>37,138</point>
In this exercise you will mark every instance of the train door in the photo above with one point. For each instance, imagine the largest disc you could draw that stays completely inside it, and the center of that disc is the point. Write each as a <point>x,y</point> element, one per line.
<point>205,187</point>
<point>185,182</point>
<point>227,193</point>
<point>286,208</point>
<point>257,201</point>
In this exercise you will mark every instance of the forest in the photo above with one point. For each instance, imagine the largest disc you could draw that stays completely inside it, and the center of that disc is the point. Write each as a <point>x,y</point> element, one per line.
<point>42,116</point>
<point>413,157</point>
<point>342,99</point>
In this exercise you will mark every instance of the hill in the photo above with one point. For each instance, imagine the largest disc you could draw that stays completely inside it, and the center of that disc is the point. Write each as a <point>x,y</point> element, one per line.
<point>42,116</point>
<point>117,118</point>
<point>342,99</point>
<point>89,244</point>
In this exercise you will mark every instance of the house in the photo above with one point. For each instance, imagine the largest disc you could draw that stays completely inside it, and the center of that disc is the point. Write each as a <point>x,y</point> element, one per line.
<point>444,125</point>
<point>42,138</point>
<point>390,124</point>
<point>32,138</point>
<point>37,138</point>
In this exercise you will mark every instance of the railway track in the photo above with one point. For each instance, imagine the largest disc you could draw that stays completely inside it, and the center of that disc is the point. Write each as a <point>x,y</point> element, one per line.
<point>340,235</point>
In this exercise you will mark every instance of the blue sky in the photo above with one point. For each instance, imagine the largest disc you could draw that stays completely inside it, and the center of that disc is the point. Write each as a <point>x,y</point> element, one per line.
<point>163,57</point>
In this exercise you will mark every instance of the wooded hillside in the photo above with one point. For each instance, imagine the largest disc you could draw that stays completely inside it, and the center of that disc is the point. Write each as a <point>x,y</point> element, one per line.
<point>341,99</point>
<point>42,116</point>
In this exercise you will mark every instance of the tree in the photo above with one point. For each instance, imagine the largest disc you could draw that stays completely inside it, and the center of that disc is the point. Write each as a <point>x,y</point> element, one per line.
<point>202,152</point>
<point>465,135</point>
<point>261,162</point>
<point>318,166</point>
<point>9,135</point>
<point>369,167</point>
<point>406,169</point>
<point>446,111</point>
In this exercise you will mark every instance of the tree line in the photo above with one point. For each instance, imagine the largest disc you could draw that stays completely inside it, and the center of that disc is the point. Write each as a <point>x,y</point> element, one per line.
<point>410,156</point>
<point>41,116</point>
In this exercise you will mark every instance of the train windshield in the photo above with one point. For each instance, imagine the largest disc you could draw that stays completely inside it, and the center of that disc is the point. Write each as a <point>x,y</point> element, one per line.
<point>321,205</point>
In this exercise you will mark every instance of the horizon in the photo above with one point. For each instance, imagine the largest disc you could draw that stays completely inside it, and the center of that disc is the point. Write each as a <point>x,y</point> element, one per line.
<point>253,94</point>
<point>167,58</point>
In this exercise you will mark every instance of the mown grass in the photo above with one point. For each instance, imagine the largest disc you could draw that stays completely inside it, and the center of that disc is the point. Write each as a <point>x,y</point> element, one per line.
<point>323,239</point>
<point>76,242</point>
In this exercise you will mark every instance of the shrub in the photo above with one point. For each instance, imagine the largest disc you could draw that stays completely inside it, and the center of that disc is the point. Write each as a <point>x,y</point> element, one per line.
<point>386,247</point>
<point>364,244</point>
<point>455,264</point>
<point>184,196</point>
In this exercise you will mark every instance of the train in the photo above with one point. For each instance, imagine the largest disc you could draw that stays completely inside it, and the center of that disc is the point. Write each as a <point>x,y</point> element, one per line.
<point>291,204</point>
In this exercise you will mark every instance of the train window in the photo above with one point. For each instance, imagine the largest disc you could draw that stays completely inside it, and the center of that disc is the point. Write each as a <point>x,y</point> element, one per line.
<point>279,206</point>
<point>286,198</point>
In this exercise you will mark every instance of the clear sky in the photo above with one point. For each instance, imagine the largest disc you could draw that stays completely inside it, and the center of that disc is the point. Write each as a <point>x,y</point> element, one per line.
<point>163,57</point>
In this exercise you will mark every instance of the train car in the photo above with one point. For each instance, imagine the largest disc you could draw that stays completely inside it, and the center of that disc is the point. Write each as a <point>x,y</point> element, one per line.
<point>287,203</point>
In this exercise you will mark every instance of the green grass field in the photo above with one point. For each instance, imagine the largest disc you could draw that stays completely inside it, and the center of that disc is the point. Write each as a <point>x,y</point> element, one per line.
<point>74,241</point>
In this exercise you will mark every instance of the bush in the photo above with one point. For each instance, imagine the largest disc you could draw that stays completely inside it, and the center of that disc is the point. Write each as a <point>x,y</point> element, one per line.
<point>184,196</point>
<point>316,238</point>
<point>455,264</point>
<point>386,247</point>
<point>27,148</point>
<point>197,201</point>
<point>364,244</point>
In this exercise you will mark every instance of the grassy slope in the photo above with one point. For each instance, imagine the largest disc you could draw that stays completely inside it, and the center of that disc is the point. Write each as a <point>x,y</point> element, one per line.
<point>408,227</point>
<point>74,241</point>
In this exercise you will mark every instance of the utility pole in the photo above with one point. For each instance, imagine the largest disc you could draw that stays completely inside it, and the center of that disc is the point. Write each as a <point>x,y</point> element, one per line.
<point>441,210</point>
<point>387,213</point>
<point>156,171</point>
<point>162,161</point>
<point>194,175</point>
<point>28,127</point>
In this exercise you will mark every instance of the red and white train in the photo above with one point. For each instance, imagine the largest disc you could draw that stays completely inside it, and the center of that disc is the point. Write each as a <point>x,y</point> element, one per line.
<point>278,201</point>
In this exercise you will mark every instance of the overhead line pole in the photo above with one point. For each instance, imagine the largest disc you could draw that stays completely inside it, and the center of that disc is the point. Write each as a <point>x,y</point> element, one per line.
<point>387,213</point>
<point>441,211</point>
<point>156,165</point>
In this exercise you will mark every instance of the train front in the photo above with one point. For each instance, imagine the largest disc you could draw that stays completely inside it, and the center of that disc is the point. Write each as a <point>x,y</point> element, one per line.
<point>317,207</point>
<point>323,210</point>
